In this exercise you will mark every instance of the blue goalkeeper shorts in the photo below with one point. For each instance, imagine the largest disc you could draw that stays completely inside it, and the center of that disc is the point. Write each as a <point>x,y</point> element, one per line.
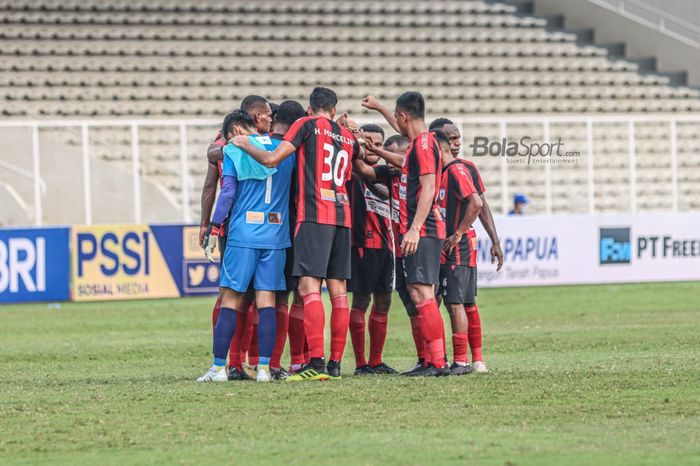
<point>240,265</point>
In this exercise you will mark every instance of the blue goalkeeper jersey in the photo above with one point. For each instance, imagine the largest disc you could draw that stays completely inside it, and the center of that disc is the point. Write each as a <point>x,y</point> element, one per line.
<point>260,216</point>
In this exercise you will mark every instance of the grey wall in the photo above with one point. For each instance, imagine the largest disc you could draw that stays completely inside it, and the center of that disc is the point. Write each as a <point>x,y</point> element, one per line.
<point>641,41</point>
<point>689,10</point>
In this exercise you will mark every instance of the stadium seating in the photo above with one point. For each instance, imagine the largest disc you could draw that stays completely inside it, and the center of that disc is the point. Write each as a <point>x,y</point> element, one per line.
<point>120,59</point>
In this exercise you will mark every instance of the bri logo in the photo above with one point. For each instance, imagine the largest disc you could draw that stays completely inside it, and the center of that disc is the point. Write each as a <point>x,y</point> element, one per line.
<point>23,265</point>
<point>615,246</point>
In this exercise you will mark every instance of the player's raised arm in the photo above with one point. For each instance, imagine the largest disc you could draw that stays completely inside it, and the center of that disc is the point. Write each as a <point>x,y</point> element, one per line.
<point>392,158</point>
<point>371,102</point>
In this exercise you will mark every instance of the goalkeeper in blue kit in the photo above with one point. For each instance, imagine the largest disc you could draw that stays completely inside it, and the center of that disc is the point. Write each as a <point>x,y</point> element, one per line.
<point>258,236</point>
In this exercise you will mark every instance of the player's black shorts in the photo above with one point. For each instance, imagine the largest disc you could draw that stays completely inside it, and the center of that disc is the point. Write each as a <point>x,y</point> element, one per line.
<point>424,265</point>
<point>289,278</point>
<point>457,284</point>
<point>372,271</point>
<point>322,251</point>
<point>401,289</point>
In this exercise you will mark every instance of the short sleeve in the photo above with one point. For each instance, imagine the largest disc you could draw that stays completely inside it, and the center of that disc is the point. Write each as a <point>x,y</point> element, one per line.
<point>464,187</point>
<point>229,168</point>
<point>427,153</point>
<point>299,132</point>
<point>220,140</point>
<point>476,178</point>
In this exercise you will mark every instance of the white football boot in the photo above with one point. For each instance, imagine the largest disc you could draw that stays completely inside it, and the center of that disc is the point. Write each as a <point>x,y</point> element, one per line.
<point>214,375</point>
<point>263,374</point>
<point>479,367</point>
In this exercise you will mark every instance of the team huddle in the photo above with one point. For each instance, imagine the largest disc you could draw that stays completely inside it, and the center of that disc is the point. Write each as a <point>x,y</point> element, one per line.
<point>304,199</point>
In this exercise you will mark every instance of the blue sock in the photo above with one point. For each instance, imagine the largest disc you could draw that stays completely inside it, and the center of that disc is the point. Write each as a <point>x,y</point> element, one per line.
<point>267,332</point>
<point>223,333</point>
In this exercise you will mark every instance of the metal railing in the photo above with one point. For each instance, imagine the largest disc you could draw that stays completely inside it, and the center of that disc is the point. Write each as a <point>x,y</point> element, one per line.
<point>503,124</point>
<point>654,17</point>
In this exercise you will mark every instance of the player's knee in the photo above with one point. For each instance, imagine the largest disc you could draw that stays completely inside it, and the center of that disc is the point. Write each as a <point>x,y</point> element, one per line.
<point>282,297</point>
<point>265,299</point>
<point>420,293</point>
<point>454,309</point>
<point>382,302</point>
<point>231,299</point>
<point>360,301</point>
<point>407,303</point>
<point>308,285</point>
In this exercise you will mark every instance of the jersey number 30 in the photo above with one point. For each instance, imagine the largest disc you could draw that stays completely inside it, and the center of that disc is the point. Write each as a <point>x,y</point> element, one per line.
<point>334,167</point>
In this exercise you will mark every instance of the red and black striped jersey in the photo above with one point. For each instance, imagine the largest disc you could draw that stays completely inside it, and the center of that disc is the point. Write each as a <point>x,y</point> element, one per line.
<point>384,176</point>
<point>475,175</point>
<point>324,154</point>
<point>220,141</point>
<point>455,188</point>
<point>422,158</point>
<point>371,218</point>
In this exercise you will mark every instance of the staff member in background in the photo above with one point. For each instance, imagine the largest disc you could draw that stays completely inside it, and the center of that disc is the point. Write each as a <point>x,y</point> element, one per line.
<point>519,203</point>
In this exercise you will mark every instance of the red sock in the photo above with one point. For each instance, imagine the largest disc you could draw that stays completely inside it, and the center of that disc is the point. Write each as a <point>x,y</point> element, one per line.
<point>340,321</point>
<point>281,335</point>
<point>432,328</point>
<point>357,335</point>
<point>474,326</point>
<point>296,333</point>
<point>234,354</point>
<point>459,346</point>
<point>418,339</point>
<point>377,335</point>
<point>247,334</point>
<point>253,354</point>
<point>215,312</point>
<point>314,323</point>
<point>307,352</point>
<point>444,341</point>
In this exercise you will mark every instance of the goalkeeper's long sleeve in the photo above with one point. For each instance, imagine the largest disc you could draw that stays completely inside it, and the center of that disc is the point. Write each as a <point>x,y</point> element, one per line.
<point>225,201</point>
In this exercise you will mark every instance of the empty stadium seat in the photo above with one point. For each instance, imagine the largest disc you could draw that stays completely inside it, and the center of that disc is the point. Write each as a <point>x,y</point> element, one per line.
<point>190,59</point>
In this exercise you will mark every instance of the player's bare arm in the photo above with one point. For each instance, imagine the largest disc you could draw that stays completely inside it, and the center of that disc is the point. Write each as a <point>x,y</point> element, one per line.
<point>214,153</point>
<point>372,103</point>
<point>391,158</point>
<point>425,202</point>
<point>379,190</point>
<point>365,171</point>
<point>473,209</point>
<point>269,159</point>
<point>486,218</point>
<point>208,197</point>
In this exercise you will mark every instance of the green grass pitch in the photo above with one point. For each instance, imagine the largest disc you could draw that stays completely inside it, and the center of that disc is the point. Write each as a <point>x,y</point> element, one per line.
<point>594,375</point>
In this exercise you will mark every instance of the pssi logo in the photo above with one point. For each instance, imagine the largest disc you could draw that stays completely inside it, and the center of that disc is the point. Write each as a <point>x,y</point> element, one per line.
<point>127,253</point>
<point>23,262</point>
<point>615,246</point>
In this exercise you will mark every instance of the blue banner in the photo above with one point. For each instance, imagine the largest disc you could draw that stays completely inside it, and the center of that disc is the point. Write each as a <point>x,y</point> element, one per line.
<point>34,265</point>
